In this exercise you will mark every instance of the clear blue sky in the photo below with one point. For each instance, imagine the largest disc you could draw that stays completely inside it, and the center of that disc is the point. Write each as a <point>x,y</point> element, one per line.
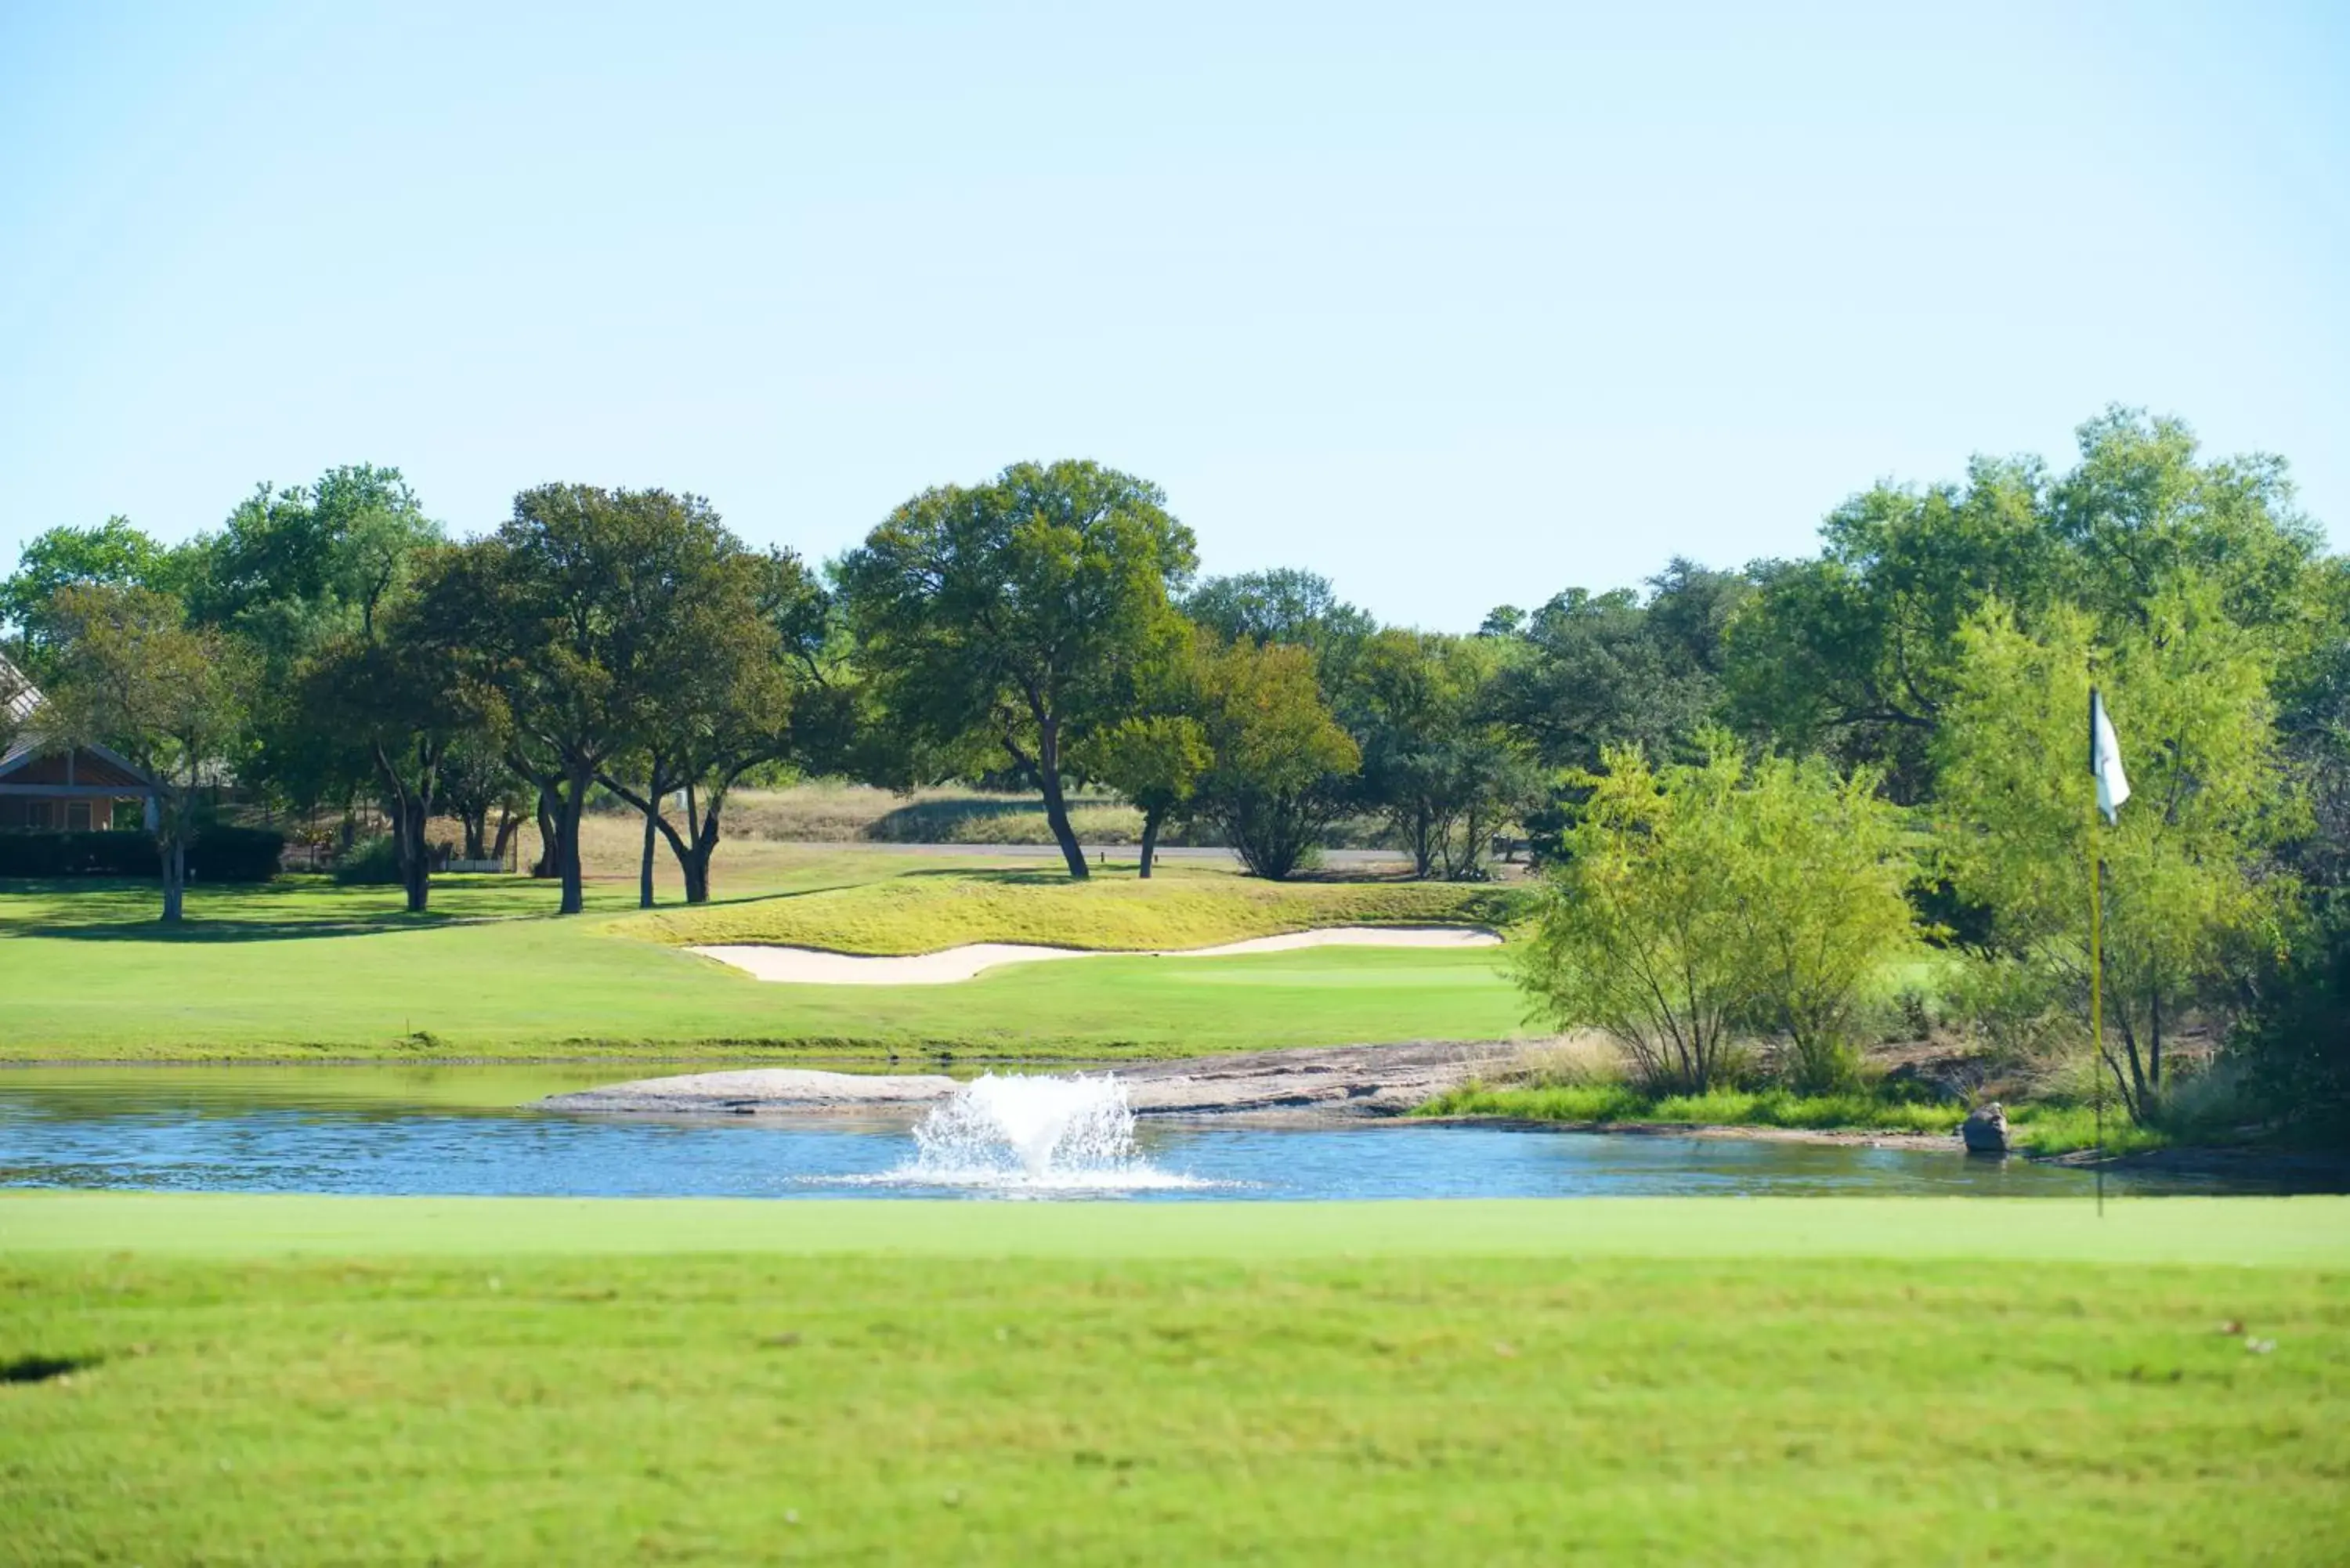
<point>1458,303</point>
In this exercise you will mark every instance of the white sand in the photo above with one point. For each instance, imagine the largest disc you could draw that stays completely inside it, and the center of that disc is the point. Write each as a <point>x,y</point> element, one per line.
<point>811,966</point>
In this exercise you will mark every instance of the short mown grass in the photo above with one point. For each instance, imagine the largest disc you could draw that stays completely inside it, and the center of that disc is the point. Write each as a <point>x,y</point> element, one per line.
<point>303,970</point>
<point>927,913</point>
<point>1361,1384</point>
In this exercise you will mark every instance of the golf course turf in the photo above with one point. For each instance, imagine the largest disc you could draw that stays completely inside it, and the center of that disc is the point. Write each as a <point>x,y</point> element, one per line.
<point>306,969</point>
<point>242,1378</point>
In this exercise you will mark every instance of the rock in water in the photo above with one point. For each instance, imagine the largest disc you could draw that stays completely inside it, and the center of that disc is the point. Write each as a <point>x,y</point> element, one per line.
<point>1985,1131</point>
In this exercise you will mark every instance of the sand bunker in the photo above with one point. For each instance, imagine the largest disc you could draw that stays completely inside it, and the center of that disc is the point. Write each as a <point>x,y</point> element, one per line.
<point>811,966</point>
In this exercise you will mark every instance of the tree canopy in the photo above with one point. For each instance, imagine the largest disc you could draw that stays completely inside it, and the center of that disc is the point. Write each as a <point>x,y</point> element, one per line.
<point>1019,614</point>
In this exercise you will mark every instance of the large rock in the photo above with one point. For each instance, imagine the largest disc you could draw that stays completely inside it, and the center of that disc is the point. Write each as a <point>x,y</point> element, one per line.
<point>1985,1129</point>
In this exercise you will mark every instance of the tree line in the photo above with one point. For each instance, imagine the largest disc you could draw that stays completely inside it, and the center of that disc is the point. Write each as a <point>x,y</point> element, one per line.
<point>1915,689</point>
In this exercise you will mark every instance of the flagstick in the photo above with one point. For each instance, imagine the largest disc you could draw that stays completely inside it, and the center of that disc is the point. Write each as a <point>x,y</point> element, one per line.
<point>2096,962</point>
<point>2097,998</point>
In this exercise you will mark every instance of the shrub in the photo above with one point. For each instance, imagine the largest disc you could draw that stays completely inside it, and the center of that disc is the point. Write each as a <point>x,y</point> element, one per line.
<point>1695,905</point>
<point>218,854</point>
<point>369,863</point>
<point>222,853</point>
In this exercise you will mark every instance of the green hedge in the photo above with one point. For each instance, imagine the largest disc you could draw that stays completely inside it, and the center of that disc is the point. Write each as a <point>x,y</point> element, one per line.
<point>218,854</point>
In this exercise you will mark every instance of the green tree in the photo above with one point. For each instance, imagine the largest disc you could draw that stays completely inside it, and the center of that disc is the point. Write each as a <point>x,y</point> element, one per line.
<point>292,571</point>
<point>1281,762</point>
<point>1015,615</point>
<point>1586,672</point>
<point>397,693</point>
<point>1698,904</point>
<point>568,616</point>
<point>132,676</point>
<point>745,639</point>
<point>1156,762</point>
<point>1436,763</point>
<point>2188,885</point>
<point>1858,651</point>
<point>113,551</point>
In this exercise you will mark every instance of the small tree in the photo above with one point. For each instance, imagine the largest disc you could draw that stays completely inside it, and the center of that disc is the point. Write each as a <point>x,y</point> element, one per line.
<point>1281,762</point>
<point>1702,902</point>
<point>132,676</point>
<point>1155,762</point>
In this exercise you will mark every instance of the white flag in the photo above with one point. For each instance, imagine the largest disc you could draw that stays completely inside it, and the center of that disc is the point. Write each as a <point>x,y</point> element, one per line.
<point>2106,759</point>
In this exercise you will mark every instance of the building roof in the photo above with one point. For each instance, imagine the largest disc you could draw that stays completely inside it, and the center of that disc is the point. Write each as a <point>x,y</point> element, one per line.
<point>18,694</point>
<point>22,700</point>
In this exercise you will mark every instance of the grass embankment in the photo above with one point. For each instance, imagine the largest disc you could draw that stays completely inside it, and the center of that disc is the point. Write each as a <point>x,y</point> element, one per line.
<point>1802,1381</point>
<point>925,914</point>
<point>2043,1129</point>
<point>306,969</point>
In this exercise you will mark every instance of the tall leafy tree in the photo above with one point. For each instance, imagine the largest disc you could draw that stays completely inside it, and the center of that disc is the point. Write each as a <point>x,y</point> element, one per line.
<point>1013,616</point>
<point>1436,762</point>
<point>292,571</point>
<point>131,675</point>
<point>1585,672</point>
<point>568,614</point>
<point>744,640</point>
<point>1281,763</point>
<point>1858,651</point>
<point>113,551</point>
<point>2188,889</point>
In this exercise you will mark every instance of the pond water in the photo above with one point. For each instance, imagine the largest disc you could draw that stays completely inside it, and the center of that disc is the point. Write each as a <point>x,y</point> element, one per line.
<point>461,1131</point>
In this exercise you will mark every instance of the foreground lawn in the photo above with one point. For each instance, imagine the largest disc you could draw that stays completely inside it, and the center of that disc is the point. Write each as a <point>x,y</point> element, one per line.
<point>308,969</point>
<point>295,1379</point>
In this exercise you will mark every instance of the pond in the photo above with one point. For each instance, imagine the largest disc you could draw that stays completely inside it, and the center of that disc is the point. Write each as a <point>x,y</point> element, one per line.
<point>460,1131</point>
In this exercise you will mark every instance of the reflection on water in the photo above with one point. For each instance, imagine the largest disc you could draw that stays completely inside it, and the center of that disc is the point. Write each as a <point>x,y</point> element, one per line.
<point>454,1131</point>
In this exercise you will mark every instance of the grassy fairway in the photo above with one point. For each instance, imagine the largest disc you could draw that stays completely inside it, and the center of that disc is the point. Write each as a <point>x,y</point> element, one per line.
<point>303,1379</point>
<point>310,969</point>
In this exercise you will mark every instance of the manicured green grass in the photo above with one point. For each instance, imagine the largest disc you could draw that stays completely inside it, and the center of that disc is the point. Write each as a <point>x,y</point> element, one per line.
<point>1602,1381</point>
<point>925,914</point>
<point>308,969</point>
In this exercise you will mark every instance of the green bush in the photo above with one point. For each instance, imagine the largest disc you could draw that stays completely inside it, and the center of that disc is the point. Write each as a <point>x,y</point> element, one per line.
<point>218,854</point>
<point>369,863</point>
<point>222,853</point>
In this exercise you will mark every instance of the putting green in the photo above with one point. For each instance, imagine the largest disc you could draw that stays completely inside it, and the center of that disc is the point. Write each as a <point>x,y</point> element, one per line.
<point>2300,1233</point>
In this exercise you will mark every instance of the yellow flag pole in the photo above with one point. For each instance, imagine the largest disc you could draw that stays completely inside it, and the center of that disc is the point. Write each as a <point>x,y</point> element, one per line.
<point>2096,958</point>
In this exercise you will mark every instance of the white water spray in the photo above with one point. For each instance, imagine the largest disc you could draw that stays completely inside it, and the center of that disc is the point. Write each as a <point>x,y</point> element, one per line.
<point>1041,1133</point>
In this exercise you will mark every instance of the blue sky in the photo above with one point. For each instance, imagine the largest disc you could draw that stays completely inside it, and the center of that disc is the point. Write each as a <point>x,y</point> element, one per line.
<point>1458,303</point>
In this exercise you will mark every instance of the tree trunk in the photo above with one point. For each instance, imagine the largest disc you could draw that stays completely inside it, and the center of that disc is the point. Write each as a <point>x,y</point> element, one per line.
<point>549,862</point>
<point>566,848</point>
<point>477,833</point>
<point>1056,809</point>
<point>175,879</point>
<point>507,823</point>
<point>645,861</point>
<point>1150,821</point>
<point>415,855</point>
<point>1423,858</point>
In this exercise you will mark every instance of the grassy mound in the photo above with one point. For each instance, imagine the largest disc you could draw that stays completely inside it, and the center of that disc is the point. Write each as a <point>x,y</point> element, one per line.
<point>926,913</point>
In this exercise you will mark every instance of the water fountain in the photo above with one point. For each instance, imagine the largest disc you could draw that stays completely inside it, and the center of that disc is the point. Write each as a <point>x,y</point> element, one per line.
<point>1043,1133</point>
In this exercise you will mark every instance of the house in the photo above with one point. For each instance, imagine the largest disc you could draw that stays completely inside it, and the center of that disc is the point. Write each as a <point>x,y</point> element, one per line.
<point>79,789</point>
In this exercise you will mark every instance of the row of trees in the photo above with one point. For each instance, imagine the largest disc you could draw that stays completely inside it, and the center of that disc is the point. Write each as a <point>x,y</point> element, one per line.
<point>1047,628</point>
